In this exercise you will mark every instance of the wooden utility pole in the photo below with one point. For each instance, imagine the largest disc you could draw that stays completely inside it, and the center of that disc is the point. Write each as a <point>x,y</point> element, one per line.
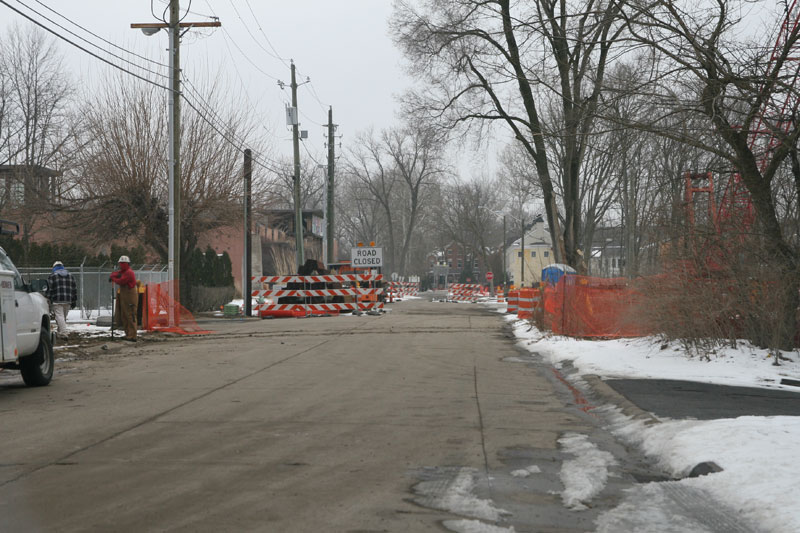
<point>330,208</point>
<point>247,287</point>
<point>298,211</point>
<point>174,147</point>
<point>522,251</point>
<point>175,151</point>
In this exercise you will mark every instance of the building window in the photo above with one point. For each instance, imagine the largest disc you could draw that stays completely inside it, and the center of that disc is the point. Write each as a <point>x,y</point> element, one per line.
<point>450,264</point>
<point>547,254</point>
<point>519,254</point>
<point>533,253</point>
<point>459,264</point>
<point>449,252</point>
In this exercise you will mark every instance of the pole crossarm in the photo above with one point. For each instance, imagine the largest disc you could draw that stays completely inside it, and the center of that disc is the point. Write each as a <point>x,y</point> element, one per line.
<point>161,25</point>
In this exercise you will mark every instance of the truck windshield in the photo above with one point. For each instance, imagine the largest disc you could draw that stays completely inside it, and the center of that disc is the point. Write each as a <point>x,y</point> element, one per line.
<point>6,264</point>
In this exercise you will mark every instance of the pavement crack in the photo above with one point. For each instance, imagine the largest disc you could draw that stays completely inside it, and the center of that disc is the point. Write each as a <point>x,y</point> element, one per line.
<point>483,434</point>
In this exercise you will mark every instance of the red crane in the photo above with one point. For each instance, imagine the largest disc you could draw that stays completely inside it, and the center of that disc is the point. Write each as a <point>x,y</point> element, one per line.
<point>775,117</point>
<point>736,215</point>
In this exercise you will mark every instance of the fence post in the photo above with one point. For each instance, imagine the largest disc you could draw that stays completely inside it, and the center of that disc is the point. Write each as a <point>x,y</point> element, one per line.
<point>82,305</point>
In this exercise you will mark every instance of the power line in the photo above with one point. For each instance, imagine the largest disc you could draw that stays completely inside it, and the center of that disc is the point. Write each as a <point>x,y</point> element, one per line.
<point>104,60</point>
<point>209,110</point>
<point>89,42</point>
<point>99,37</point>
<point>232,141</point>
<point>247,28</point>
<point>258,25</point>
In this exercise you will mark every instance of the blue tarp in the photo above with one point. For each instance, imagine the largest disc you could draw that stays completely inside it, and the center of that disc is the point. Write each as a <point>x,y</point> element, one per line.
<point>552,273</point>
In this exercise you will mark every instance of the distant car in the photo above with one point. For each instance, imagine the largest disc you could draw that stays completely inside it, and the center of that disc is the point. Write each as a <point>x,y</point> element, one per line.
<point>26,336</point>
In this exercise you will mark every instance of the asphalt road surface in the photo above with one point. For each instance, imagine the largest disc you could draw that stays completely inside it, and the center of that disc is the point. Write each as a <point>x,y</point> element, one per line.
<point>688,399</point>
<point>404,422</point>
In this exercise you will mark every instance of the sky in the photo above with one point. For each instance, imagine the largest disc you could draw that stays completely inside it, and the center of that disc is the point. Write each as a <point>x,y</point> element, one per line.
<point>342,46</point>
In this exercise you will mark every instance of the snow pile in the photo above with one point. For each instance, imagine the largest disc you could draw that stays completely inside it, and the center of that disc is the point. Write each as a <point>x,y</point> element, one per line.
<point>475,526</point>
<point>758,455</point>
<point>459,499</point>
<point>527,471</point>
<point>585,475</point>
<point>649,358</point>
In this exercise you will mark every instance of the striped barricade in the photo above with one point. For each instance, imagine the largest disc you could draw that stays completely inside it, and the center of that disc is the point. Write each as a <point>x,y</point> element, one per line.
<point>465,292</point>
<point>363,298</point>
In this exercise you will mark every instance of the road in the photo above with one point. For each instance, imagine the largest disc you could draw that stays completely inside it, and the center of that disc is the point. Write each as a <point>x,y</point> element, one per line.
<point>410,421</point>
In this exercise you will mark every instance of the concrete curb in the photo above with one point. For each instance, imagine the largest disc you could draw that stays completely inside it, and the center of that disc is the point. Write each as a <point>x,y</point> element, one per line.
<point>608,394</point>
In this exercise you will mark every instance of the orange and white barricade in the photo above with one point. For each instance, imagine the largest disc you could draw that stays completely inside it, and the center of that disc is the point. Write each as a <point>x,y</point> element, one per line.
<point>363,298</point>
<point>513,301</point>
<point>465,292</point>
<point>500,296</point>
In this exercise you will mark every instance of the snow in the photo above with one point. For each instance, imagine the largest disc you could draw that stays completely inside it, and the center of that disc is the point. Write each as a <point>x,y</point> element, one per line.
<point>585,475</point>
<point>758,454</point>
<point>458,498</point>
<point>475,526</point>
<point>527,471</point>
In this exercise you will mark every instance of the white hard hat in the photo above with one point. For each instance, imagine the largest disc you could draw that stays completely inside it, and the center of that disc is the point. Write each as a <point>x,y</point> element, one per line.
<point>58,263</point>
<point>124,259</point>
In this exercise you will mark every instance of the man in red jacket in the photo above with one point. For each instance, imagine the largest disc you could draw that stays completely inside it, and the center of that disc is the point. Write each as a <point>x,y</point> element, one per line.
<point>128,297</point>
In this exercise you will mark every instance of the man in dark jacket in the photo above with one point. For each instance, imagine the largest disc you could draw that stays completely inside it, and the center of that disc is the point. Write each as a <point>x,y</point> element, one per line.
<point>63,295</point>
<point>128,297</point>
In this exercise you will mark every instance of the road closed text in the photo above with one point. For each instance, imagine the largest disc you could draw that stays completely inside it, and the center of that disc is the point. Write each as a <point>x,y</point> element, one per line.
<point>366,257</point>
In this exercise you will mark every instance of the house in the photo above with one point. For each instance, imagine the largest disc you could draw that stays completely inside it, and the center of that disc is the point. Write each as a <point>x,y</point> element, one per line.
<point>273,243</point>
<point>27,185</point>
<point>607,257</point>
<point>525,260</point>
<point>455,263</point>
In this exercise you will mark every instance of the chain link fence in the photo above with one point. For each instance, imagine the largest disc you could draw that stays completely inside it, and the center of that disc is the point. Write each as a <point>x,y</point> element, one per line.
<point>94,289</point>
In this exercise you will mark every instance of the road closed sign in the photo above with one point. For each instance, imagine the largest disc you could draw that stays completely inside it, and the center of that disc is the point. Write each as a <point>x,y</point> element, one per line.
<point>366,257</point>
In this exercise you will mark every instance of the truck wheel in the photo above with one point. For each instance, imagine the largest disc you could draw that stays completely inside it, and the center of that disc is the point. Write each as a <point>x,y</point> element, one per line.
<point>37,368</point>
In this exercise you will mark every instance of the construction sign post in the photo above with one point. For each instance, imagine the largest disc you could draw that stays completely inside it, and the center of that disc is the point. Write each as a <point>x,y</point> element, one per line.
<point>363,257</point>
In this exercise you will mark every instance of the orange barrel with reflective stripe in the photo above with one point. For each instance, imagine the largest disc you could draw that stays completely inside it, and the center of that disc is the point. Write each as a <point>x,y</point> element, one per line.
<point>500,296</point>
<point>525,303</point>
<point>513,302</point>
<point>537,299</point>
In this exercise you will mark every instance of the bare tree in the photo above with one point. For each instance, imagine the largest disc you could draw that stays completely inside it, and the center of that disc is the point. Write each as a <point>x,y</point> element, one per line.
<point>35,122</point>
<point>121,184</point>
<point>486,61</point>
<point>743,96</point>
<point>395,169</point>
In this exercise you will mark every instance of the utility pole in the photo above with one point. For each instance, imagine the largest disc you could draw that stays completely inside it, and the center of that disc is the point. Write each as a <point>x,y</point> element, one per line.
<point>175,154</point>
<point>247,287</point>
<point>522,251</point>
<point>331,158</point>
<point>504,253</point>
<point>298,212</point>
<point>174,143</point>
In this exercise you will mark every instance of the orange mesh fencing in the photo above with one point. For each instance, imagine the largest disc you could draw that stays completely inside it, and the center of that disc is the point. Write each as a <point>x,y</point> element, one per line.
<point>582,306</point>
<point>158,307</point>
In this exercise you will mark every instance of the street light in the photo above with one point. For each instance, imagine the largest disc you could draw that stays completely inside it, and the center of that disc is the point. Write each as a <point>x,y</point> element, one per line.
<point>174,209</point>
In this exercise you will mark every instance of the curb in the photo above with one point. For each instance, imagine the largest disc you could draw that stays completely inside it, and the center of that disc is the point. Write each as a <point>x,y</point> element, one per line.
<point>604,390</point>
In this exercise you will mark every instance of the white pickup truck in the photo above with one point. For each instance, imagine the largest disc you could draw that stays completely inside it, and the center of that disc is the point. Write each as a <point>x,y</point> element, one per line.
<point>25,333</point>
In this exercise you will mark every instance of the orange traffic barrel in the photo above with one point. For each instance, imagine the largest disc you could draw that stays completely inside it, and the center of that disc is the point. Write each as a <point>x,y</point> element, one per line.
<point>513,301</point>
<point>525,303</point>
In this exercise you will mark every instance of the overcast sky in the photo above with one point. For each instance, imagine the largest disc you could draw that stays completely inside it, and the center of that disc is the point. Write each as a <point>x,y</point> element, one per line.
<point>342,45</point>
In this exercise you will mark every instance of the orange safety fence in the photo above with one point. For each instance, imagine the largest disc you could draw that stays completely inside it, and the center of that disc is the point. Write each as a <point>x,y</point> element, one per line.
<point>158,306</point>
<point>582,306</point>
